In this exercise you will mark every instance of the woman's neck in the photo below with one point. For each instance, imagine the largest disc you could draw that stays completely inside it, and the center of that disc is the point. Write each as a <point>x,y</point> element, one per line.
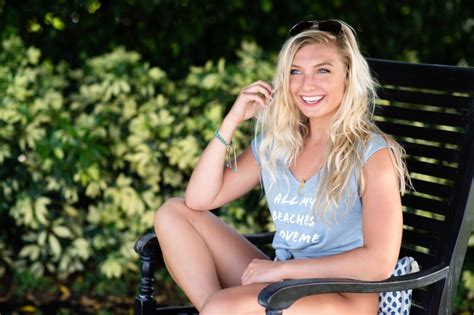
<point>317,134</point>
<point>318,128</point>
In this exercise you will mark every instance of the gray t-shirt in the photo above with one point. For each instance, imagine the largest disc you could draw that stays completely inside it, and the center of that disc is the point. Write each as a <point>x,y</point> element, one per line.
<point>299,234</point>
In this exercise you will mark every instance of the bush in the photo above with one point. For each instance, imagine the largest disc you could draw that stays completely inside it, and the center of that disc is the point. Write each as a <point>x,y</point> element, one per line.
<point>88,154</point>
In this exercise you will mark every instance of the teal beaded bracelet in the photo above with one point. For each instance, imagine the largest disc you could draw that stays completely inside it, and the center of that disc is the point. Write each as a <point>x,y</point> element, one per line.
<point>229,148</point>
<point>219,137</point>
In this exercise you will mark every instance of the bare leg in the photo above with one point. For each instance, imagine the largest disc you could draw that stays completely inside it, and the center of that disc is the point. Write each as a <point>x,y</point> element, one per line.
<point>243,300</point>
<point>201,252</point>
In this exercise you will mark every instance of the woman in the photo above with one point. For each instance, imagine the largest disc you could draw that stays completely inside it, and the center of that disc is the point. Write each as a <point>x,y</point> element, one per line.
<point>332,180</point>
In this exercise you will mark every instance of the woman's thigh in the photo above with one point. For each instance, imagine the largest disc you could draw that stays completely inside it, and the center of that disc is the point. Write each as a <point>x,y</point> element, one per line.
<point>243,300</point>
<point>230,251</point>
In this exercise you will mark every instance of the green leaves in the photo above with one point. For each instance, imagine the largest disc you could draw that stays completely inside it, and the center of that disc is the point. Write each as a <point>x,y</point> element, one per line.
<point>31,213</point>
<point>62,232</point>
<point>54,245</point>
<point>41,210</point>
<point>87,155</point>
<point>112,268</point>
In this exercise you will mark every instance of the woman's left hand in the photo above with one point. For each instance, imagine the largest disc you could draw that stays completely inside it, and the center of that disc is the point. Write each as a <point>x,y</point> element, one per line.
<point>259,271</point>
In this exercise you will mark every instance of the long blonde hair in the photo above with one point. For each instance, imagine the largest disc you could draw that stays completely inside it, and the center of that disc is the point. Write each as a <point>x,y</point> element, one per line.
<point>283,126</point>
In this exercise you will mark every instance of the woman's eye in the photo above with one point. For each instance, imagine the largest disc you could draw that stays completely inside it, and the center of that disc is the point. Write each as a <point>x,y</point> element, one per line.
<point>294,71</point>
<point>323,70</point>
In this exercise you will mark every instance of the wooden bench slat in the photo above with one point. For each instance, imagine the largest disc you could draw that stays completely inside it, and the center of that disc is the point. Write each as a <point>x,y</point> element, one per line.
<point>431,169</point>
<point>429,134</point>
<point>417,98</point>
<point>424,116</point>
<point>424,224</point>
<point>429,151</point>
<point>416,309</point>
<point>423,76</point>
<point>422,259</point>
<point>418,296</point>
<point>425,204</point>
<point>425,240</point>
<point>433,189</point>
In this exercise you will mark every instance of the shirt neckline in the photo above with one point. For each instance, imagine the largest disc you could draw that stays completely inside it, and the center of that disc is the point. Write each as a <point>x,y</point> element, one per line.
<point>295,179</point>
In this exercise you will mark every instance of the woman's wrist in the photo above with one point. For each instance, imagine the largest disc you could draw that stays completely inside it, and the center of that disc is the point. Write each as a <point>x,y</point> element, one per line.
<point>227,128</point>
<point>283,271</point>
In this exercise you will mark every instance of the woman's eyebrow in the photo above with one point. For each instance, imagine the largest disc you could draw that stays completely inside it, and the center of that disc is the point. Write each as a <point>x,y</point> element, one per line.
<point>324,63</point>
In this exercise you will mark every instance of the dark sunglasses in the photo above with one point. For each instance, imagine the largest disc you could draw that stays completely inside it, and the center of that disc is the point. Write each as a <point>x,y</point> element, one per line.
<point>330,26</point>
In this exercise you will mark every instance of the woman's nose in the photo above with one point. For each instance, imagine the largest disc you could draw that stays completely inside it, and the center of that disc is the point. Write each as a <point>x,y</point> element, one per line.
<point>309,83</point>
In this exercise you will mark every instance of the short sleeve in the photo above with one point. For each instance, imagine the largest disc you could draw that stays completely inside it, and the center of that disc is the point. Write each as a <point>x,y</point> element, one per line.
<point>254,145</point>
<point>376,142</point>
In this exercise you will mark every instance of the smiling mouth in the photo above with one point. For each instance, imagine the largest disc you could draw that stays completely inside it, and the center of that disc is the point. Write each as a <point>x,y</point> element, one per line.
<point>312,100</point>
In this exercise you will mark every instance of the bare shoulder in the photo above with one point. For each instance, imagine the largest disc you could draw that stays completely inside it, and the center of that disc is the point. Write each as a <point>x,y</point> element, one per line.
<point>379,173</point>
<point>380,160</point>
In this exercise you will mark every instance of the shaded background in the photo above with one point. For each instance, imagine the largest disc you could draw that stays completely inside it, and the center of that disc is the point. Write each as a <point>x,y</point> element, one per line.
<point>176,34</point>
<point>106,105</point>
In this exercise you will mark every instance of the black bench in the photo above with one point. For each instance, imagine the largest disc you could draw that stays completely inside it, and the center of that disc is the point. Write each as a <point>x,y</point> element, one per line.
<point>429,109</point>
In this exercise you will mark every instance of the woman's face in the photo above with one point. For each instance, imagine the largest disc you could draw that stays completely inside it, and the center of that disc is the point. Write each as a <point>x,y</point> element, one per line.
<point>317,80</point>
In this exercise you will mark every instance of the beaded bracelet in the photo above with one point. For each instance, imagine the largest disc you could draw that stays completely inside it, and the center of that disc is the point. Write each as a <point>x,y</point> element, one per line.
<point>229,150</point>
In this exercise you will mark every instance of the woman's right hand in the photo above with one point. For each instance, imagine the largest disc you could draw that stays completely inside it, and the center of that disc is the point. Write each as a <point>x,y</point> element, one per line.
<point>221,183</point>
<point>249,99</point>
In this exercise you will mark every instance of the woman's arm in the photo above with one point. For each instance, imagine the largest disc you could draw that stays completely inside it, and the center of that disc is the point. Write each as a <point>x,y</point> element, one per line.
<point>211,184</point>
<point>382,232</point>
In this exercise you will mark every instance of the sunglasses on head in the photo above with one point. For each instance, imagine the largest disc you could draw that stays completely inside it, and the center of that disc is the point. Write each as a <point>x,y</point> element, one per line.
<point>330,26</point>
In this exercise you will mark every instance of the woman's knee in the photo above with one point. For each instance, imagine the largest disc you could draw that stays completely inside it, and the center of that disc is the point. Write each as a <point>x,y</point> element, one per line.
<point>168,211</point>
<point>172,210</point>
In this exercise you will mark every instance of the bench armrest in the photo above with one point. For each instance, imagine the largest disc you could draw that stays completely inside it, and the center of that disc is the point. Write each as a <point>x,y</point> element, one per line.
<point>149,250</point>
<point>281,295</point>
<point>148,245</point>
<point>260,238</point>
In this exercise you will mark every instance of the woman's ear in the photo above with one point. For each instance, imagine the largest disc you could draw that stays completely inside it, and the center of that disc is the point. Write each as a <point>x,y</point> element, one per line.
<point>346,81</point>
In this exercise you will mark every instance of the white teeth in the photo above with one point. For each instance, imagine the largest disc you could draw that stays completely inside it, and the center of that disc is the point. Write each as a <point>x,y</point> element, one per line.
<point>311,99</point>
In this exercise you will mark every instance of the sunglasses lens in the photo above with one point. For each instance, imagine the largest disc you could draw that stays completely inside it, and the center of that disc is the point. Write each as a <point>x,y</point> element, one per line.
<point>330,26</point>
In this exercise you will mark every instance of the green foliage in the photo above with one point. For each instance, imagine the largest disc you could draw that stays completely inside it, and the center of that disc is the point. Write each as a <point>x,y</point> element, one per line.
<point>465,295</point>
<point>88,154</point>
<point>29,283</point>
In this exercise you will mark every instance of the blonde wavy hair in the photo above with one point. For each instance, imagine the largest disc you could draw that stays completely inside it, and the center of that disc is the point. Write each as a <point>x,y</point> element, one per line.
<point>283,126</point>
